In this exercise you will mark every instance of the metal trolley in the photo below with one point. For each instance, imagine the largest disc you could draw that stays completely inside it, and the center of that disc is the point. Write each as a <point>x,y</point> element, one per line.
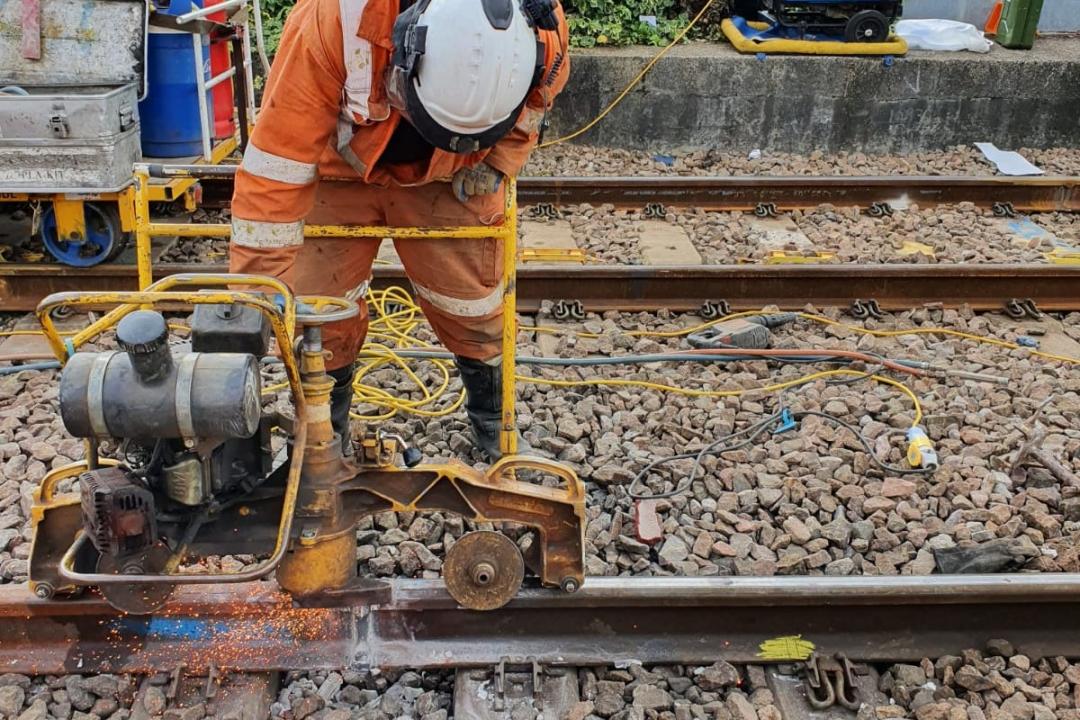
<point>69,120</point>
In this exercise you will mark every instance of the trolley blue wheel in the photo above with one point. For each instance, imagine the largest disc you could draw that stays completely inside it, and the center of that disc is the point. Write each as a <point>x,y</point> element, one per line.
<point>104,237</point>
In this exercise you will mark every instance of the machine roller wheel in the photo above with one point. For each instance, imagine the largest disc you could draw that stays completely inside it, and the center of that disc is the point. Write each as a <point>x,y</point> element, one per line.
<point>136,598</point>
<point>104,237</point>
<point>483,570</point>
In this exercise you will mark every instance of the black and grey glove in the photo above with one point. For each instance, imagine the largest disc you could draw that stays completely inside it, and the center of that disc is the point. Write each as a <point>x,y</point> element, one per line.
<point>472,181</point>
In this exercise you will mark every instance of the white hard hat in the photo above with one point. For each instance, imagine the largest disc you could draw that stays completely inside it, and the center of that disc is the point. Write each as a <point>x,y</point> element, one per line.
<point>462,70</point>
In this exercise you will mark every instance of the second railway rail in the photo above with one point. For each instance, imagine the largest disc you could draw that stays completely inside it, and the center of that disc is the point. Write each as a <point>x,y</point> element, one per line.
<point>1054,287</point>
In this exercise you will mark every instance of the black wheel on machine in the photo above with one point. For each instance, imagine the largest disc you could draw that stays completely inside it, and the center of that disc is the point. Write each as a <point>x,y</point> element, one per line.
<point>867,26</point>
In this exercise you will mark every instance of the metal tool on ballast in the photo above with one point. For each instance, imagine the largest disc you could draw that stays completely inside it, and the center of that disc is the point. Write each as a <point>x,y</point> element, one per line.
<point>203,469</point>
<point>748,333</point>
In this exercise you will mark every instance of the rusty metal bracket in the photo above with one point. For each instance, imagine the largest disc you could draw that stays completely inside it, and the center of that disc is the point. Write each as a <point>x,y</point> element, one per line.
<point>514,685</point>
<point>568,310</point>
<point>213,682</point>
<point>655,210</point>
<point>865,309</point>
<point>1020,308</point>
<point>1004,209</point>
<point>713,309</point>
<point>765,209</point>
<point>830,681</point>
<point>880,209</point>
<point>500,680</point>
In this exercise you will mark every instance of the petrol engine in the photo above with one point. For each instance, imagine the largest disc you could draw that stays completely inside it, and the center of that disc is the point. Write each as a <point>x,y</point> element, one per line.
<point>188,426</point>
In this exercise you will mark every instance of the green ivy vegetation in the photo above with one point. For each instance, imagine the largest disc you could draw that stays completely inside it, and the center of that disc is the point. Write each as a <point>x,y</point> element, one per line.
<point>620,22</point>
<point>592,22</point>
<point>274,13</point>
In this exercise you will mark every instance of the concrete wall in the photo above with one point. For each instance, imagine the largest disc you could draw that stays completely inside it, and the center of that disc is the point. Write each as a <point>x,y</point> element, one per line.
<point>709,96</point>
<point>1057,15</point>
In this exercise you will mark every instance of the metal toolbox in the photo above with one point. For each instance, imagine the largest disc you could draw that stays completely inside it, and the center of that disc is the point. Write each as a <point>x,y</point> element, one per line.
<point>69,119</point>
<point>69,139</point>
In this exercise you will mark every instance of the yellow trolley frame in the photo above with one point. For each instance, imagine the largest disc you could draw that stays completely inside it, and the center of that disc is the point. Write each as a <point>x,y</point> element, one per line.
<point>70,213</point>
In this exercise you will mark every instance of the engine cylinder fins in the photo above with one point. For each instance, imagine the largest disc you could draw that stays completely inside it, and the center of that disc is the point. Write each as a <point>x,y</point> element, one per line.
<point>483,570</point>
<point>136,598</point>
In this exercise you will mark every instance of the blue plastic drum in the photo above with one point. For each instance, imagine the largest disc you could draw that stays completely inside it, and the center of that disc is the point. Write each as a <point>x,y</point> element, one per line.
<point>170,112</point>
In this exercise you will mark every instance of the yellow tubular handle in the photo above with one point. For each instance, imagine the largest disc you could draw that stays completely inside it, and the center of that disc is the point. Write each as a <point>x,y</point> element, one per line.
<point>508,233</point>
<point>154,299</point>
<point>503,471</point>
<point>114,316</point>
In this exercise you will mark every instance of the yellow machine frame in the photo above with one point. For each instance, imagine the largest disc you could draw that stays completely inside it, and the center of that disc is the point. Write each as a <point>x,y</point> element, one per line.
<point>314,493</point>
<point>146,229</point>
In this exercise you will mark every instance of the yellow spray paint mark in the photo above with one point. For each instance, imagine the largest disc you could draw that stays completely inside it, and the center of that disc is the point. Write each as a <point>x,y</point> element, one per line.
<point>807,257</point>
<point>1062,256</point>
<point>911,247</point>
<point>786,647</point>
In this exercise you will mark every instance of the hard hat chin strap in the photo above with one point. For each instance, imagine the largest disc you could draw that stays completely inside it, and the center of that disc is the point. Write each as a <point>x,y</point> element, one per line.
<point>541,13</point>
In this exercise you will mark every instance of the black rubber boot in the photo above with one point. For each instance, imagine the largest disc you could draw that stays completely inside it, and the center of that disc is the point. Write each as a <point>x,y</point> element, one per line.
<point>483,404</point>
<point>340,403</point>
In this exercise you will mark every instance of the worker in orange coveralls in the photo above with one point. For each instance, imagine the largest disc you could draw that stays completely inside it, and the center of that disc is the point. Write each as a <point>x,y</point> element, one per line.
<point>404,115</point>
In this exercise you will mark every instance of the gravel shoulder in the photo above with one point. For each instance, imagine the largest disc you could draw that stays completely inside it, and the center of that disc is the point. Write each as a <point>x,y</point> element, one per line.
<point>993,682</point>
<point>573,159</point>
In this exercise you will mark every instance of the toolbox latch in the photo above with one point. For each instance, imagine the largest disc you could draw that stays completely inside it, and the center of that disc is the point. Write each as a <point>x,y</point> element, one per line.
<point>58,124</point>
<point>127,116</point>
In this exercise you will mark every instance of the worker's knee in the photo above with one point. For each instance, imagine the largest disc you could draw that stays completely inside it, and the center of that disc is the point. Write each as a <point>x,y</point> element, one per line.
<point>474,338</point>
<point>343,340</point>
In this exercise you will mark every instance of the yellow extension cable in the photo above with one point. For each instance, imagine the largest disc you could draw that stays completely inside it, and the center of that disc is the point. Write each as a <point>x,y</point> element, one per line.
<point>981,339</point>
<point>774,387</point>
<point>392,329</point>
<point>395,317</point>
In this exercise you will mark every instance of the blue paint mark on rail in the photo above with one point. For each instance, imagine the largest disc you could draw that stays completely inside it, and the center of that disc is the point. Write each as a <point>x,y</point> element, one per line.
<point>164,628</point>
<point>192,629</point>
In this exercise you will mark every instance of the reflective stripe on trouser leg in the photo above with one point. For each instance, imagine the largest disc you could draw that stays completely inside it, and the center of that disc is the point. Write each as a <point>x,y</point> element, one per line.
<point>470,337</point>
<point>261,234</point>
<point>463,308</point>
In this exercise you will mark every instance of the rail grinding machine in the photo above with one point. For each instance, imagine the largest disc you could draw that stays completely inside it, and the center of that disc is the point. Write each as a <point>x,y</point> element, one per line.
<point>194,472</point>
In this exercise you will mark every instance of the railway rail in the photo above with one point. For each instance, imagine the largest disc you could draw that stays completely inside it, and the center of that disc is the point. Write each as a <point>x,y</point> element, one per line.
<point>679,288</point>
<point>745,193</point>
<point>415,624</point>
<point>597,287</point>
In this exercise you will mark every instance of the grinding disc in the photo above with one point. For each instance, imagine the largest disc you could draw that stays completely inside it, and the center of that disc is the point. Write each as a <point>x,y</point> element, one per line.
<point>483,570</point>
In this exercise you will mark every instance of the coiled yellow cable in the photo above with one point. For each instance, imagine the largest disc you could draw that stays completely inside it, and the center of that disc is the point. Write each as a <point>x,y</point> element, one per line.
<point>395,318</point>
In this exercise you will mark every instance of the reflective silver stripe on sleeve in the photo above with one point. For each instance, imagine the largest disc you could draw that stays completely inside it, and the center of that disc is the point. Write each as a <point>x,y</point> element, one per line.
<point>356,52</point>
<point>344,137</point>
<point>480,307</point>
<point>261,234</point>
<point>275,167</point>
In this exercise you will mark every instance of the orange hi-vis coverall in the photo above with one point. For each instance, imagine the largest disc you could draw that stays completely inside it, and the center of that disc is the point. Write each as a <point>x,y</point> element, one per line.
<point>317,154</point>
